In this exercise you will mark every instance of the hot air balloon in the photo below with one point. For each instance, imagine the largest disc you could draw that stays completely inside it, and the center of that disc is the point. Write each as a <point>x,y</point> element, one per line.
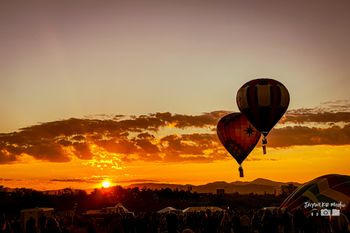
<point>263,102</point>
<point>238,136</point>
<point>329,189</point>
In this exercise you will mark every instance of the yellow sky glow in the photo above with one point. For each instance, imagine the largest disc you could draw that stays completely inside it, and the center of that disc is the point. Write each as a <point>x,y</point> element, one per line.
<point>298,164</point>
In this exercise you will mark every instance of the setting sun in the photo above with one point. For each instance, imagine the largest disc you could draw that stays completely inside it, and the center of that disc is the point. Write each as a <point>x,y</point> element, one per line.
<point>106,184</point>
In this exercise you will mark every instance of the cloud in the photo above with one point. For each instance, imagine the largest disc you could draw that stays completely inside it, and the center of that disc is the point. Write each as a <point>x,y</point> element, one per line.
<point>192,147</point>
<point>133,137</point>
<point>335,106</point>
<point>327,112</point>
<point>146,146</point>
<point>183,121</point>
<point>7,157</point>
<point>303,136</point>
<point>82,151</point>
<point>161,137</point>
<point>47,150</point>
<point>304,116</point>
<point>136,181</point>
<point>71,180</point>
<point>6,179</point>
<point>116,145</point>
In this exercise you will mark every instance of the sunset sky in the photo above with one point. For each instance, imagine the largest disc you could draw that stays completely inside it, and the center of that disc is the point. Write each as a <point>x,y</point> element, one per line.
<point>131,91</point>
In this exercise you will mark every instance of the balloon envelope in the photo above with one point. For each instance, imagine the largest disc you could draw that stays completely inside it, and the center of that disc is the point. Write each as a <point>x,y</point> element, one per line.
<point>263,102</point>
<point>237,135</point>
<point>327,189</point>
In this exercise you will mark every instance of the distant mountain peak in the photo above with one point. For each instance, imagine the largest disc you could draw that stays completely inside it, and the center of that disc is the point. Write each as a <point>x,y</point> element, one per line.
<point>262,181</point>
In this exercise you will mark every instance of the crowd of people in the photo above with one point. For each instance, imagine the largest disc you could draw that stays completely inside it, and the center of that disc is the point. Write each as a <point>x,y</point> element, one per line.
<point>229,221</point>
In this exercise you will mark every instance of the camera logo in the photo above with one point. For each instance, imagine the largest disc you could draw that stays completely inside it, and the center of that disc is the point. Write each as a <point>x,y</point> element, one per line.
<point>325,212</point>
<point>335,212</point>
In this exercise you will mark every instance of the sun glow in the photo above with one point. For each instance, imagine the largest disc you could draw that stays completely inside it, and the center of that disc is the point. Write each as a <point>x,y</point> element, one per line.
<point>106,184</point>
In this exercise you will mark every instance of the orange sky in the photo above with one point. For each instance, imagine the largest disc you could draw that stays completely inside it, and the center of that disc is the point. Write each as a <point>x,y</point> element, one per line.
<point>170,148</point>
<point>132,91</point>
<point>298,164</point>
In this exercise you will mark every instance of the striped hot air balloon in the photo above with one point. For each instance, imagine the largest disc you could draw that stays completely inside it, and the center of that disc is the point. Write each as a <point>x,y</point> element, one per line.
<point>325,189</point>
<point>263,102</point>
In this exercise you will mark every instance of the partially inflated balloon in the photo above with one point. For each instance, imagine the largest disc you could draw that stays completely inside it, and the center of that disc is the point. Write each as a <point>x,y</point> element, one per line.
<point>238,136</point>
<point>263,102</point>
<point>331,188</point>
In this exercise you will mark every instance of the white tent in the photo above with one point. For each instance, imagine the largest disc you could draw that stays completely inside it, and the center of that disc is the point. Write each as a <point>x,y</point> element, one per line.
<point>168,210</point>
<point>118,208</point>
<point>34,213</point>
<point>202,208</point>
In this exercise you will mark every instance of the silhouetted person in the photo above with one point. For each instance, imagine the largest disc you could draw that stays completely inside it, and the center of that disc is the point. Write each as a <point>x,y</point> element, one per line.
<point>286,222</point>
<point>91,226</point>
<point>16,225</point>
<point>30,225</point>
<point>267,222</point>
<point>225,223</point>
<point>5,226</point>
<point>172,221</point>
<point>52,226</point>
<point>42,223</point>
<point>211,222</point>
<point>116,224</point>
<point>299,220</point>
<point>255,223</point>
<point>236,222</point>
<point>245,223</point>
<point>275,221</point>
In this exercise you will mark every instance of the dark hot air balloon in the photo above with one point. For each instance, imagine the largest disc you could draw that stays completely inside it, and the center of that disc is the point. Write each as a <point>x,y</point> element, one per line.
<point>263,102</point>
<point>238,136</point>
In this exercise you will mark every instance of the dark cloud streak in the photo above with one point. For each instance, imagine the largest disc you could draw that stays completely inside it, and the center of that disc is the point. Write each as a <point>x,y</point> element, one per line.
<point>136,137</point>
<point>324,117</point>
<point>328,112</point>
<point>305,136</point>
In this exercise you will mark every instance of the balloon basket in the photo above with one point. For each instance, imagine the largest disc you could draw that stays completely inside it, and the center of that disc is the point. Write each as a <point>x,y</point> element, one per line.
<point>264,142</point>
<point>264,149</point>
<point>240,169</point>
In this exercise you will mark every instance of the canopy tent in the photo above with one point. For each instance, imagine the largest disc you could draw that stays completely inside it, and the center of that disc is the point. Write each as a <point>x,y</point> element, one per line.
<point>202,208</point>
<point>35,214</point>
<point>331,188</point>
<point>118,208</point>
<point>168,210</point>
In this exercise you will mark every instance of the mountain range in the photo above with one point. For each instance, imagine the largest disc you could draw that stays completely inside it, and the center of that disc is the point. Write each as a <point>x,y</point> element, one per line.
<point>258,186</point>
